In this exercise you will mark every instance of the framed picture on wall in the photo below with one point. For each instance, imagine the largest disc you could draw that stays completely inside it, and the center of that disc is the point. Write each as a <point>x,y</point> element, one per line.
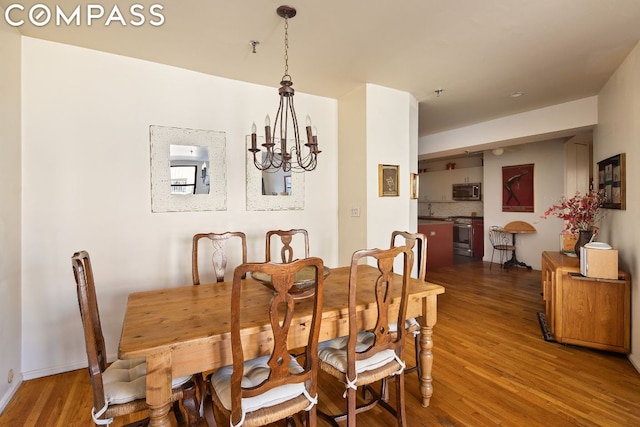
<point>415,186</point>
<point>388,177</point>
<point>612,181</point>
<point>517,188</point>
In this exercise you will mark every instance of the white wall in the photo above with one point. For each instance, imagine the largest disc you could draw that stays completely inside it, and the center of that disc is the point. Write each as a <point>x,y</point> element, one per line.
<point>10,210</point>
<point>378,125</point>
<point>548,186</point>
<point>618,132</point>
<point>391,139</point>
<point>352,192</point>
<point>86,179</point>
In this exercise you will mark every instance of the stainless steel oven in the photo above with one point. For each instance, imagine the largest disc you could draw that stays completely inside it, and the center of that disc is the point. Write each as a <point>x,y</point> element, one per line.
<point>462,236</point>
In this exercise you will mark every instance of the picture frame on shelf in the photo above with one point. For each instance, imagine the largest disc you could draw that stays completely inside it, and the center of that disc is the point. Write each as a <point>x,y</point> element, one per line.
<point>612,181</point>
<point>388,180</point>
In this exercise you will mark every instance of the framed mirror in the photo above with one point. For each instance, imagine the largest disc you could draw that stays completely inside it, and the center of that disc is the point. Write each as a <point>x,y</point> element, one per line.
<point>188,169</point>
<point>272,191</point>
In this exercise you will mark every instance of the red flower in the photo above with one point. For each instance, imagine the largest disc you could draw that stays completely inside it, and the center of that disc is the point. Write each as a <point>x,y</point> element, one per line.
<point>580,212</point>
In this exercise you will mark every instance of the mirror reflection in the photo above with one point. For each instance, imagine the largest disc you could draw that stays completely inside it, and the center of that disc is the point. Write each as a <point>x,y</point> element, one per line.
<point>275,182</point>
<point>189,169</point>
<point>261,186</point>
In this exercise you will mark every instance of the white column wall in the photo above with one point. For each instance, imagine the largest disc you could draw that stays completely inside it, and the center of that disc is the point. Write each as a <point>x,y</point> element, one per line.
<point>352,191</point>
<point>391,139</point>
<point>618,132</point>
<point>10,211</point>
<point>86,118</point>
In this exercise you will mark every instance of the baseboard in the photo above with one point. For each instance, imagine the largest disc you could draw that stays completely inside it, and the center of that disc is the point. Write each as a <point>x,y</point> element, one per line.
<point>39,373</point>
<point>15,384</point>
<point>634,362</point>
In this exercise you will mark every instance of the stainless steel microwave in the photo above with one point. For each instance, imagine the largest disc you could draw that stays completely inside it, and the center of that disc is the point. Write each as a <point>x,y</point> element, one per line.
<point>469,191</point>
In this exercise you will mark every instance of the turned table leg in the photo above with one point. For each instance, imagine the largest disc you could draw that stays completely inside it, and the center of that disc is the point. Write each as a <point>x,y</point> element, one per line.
<point>429,307</point>
<point>159,389</point>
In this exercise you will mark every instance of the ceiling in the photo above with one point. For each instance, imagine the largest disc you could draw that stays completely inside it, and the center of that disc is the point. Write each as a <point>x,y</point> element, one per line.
<point>477,52</point>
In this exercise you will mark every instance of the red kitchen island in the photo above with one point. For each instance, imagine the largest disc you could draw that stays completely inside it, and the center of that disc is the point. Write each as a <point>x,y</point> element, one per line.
<point>439,242</point>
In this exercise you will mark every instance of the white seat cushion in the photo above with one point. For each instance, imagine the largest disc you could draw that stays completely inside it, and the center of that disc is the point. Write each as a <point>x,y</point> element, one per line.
<point>334,352</point>
<point>409,323</point>
<point>125,381</point>
<point>255,372</point>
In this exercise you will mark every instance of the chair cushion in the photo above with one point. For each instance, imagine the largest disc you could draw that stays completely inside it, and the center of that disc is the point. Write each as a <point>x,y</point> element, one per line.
<point>334,352</point>
<point>125,381</point>
<point>255,372</point>
<point>410,324</point>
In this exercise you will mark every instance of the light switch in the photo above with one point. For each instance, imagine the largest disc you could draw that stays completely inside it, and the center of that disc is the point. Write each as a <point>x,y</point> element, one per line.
<point>432,233</point>
<point>355,211</point>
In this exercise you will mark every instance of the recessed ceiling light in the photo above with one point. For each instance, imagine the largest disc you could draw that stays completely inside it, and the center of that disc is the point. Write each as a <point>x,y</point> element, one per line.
<point>516,94</point>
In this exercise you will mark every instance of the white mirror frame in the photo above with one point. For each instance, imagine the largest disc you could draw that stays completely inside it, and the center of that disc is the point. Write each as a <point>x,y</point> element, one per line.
<point>162,200</point>
<point>256,201</point>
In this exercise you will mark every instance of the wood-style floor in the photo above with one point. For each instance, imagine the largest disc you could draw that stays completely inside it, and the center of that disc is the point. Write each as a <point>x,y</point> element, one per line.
<point>491,367</point>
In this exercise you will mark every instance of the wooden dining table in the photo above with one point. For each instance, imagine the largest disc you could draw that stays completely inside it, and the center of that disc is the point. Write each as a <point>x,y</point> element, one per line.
<point>186,330</point>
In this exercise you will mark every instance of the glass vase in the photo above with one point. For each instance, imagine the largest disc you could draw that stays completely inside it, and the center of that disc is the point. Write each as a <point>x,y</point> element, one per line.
<point>584,237</point>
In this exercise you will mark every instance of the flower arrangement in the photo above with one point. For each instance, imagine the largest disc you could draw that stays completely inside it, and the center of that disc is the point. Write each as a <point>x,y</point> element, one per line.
<point>581,212</point>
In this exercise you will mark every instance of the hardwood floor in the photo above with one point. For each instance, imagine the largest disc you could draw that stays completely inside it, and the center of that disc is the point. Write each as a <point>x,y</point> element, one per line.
<point>491,367</point>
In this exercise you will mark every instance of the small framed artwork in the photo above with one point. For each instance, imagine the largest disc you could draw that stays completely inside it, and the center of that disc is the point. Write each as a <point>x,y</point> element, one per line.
<point>414,190</point>
<point>517,188</point>
<point>388,177</point>
<point>612,182</point>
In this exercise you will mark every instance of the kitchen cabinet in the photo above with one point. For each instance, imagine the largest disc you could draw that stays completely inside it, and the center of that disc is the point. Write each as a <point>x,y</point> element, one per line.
<point>437,186</point>
<point>467,175</point>
<point>439,242</point>
<point>585,311</point>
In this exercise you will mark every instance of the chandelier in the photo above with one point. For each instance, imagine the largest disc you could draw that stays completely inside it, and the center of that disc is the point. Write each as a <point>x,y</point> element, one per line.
<point>281,157</point>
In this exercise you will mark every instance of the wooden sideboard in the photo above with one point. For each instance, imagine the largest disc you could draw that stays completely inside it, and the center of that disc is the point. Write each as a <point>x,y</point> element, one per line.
<point>585,311</point>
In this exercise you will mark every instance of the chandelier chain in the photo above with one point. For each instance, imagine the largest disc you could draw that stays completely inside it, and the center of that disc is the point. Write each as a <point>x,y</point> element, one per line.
<point>286,46</point>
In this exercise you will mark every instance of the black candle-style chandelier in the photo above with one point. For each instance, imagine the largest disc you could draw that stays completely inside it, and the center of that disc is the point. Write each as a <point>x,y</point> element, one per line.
<point>281,158</point>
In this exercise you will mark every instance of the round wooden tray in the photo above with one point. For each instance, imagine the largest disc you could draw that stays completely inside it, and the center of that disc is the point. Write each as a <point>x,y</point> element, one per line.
<point>304,284</point>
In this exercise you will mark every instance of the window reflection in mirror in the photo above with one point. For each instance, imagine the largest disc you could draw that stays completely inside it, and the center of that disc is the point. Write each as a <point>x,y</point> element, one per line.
<point>189,169</point>
<point>275,182</point>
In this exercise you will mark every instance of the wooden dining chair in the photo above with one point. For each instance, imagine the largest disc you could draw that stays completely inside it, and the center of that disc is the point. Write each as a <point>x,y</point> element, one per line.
<point>501,242</point>
<point>286,237</point>
<point>276,386</point>
<point>417,243</point>
<point>120,388</point>
<point>365,357</point>
<point>218,254</point>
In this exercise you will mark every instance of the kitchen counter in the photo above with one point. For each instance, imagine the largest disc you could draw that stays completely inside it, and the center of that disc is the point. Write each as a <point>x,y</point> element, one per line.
<point>433,221</point>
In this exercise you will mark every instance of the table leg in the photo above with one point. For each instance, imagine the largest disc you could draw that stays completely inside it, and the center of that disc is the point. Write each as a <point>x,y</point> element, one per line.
<point>514,262</point>
<point>159,389</point>
<point>429,317</point>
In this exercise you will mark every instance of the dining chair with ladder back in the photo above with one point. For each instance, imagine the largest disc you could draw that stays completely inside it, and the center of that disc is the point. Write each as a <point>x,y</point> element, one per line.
<point>286,238</point>
<point>218,252</point>
<point>120,388</point>
<point>365,357</point>
<point>276,386</point>
<point>501,242</point>
<point>417,243</point>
